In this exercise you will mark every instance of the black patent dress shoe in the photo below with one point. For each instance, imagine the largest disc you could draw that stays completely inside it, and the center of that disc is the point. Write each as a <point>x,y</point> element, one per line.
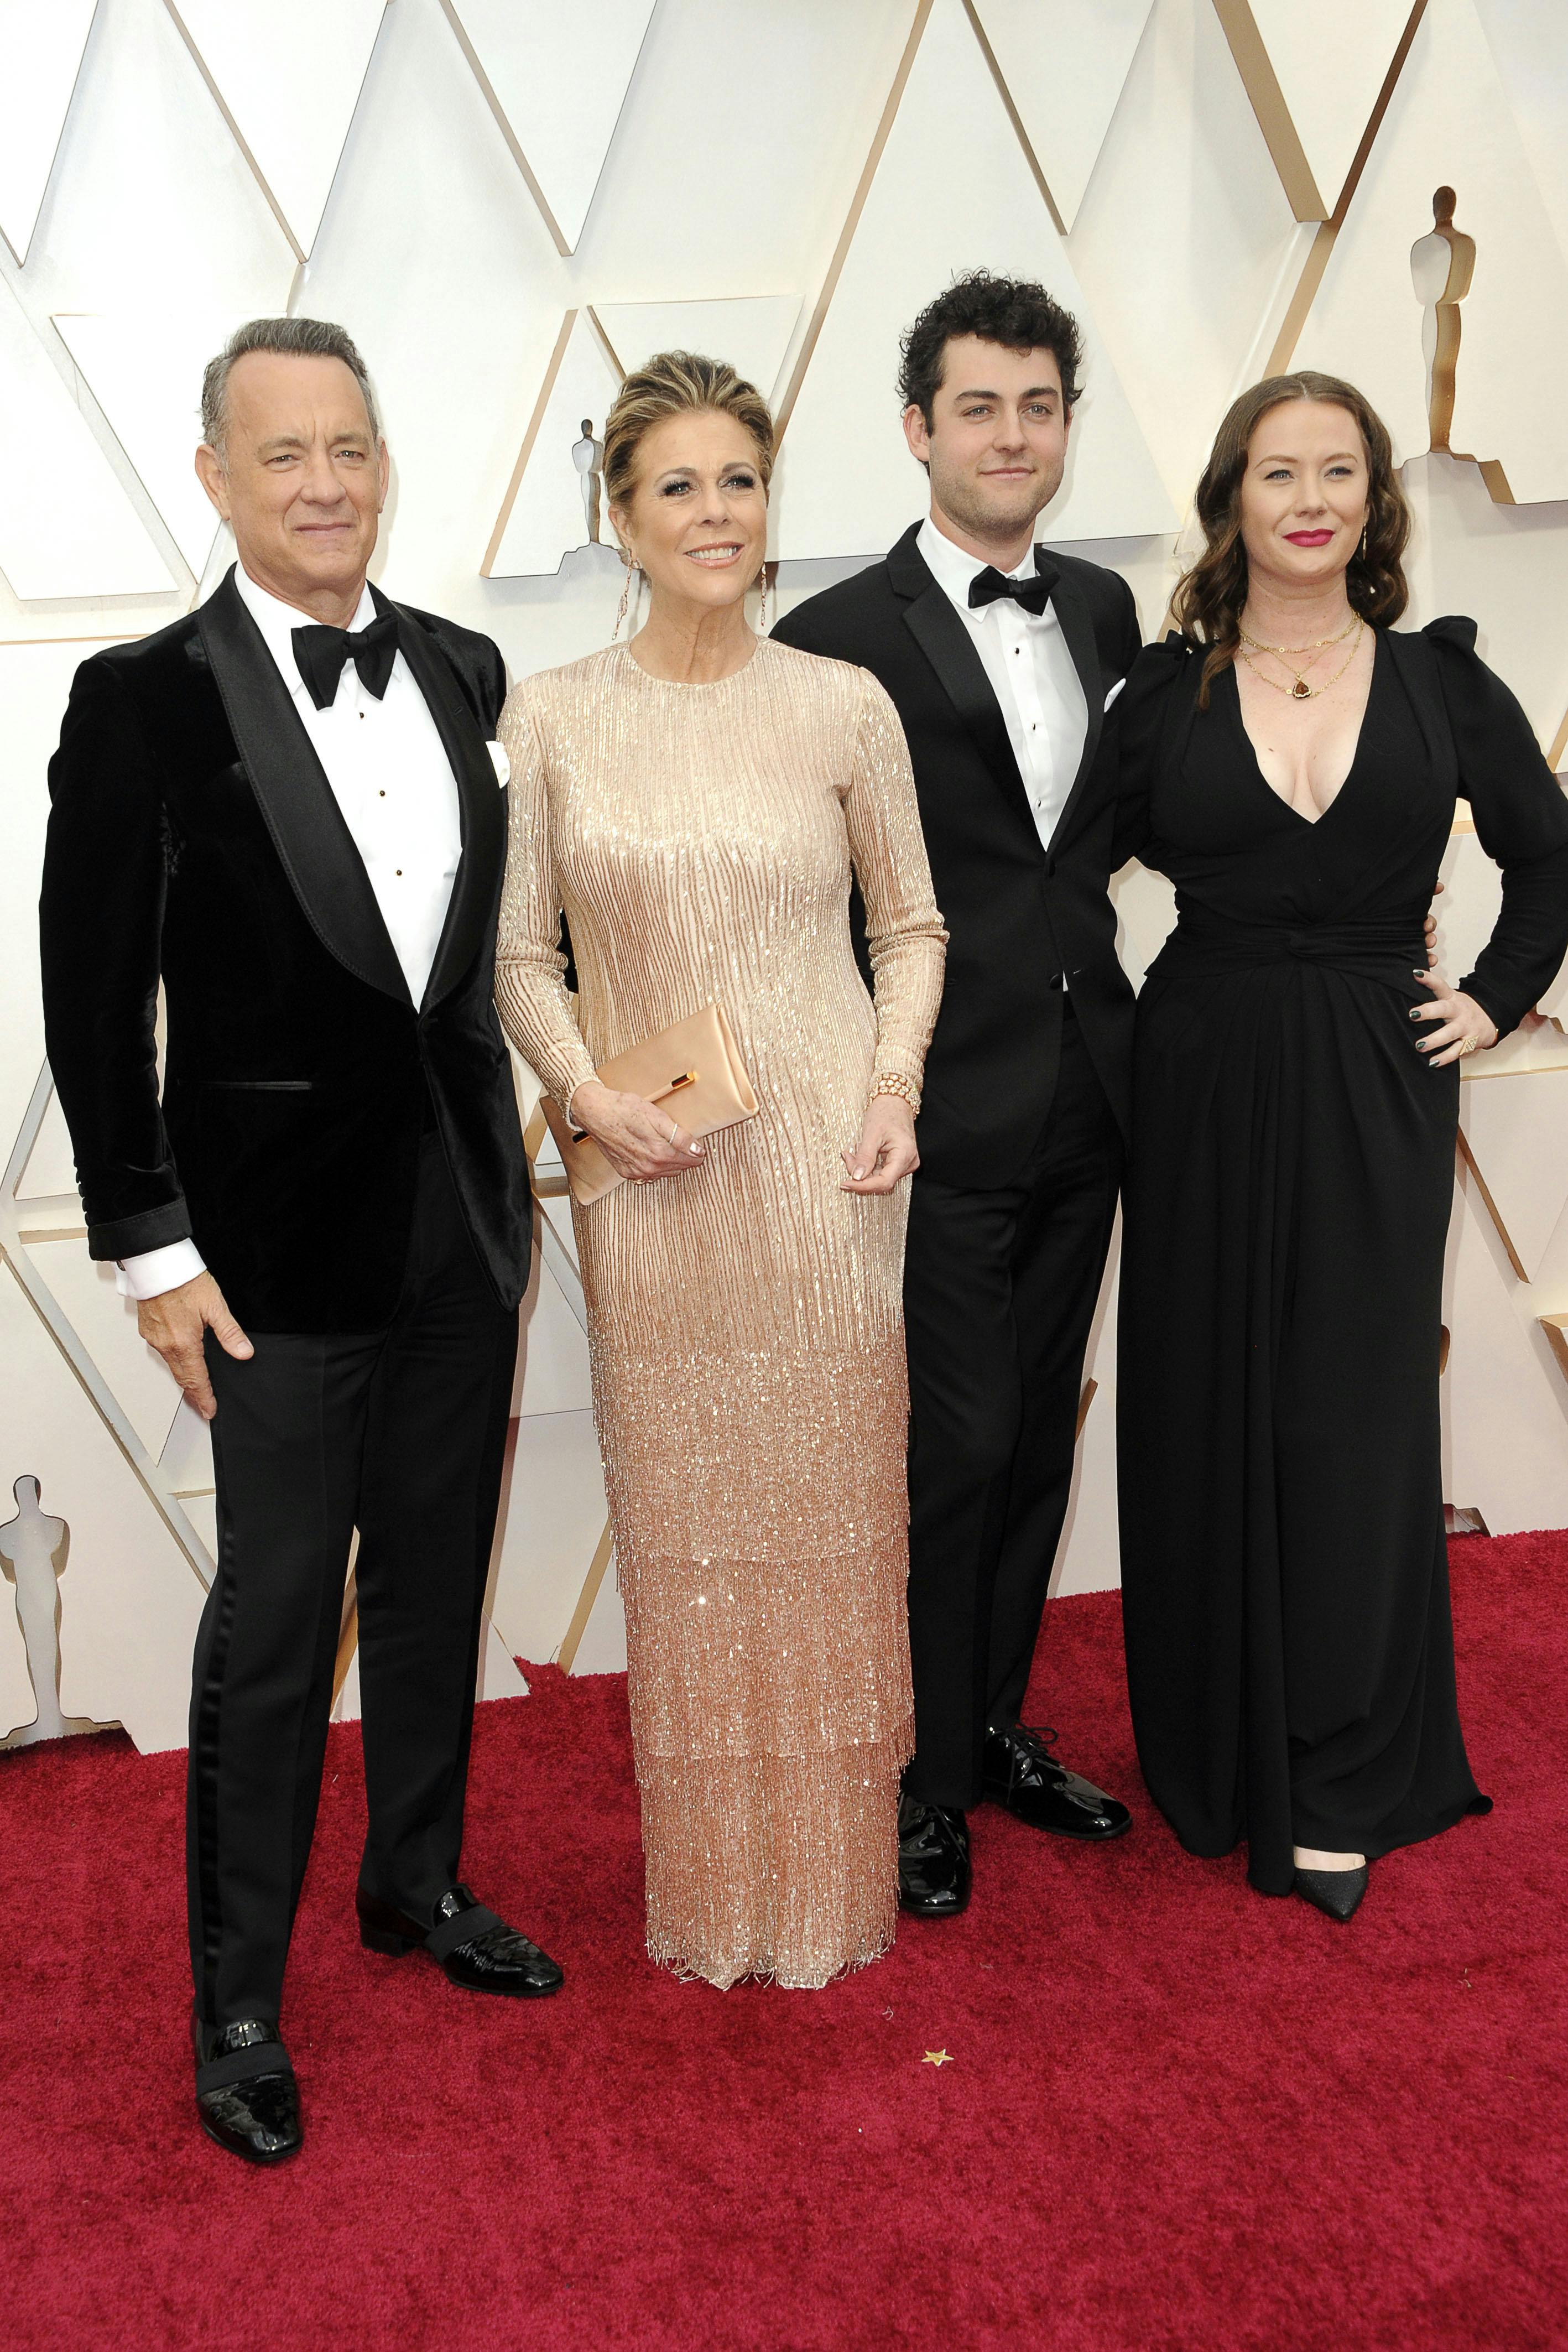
<point>933,1860</point>
<point>1335,1893</point>
<point>247,2097</point>
<point>1020,1772</point>
<point>475,1948</point>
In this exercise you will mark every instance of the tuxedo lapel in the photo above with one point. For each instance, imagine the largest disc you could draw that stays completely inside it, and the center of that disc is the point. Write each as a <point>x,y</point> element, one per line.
<point>948,645</point>
<point>482,807</point>
<point>1071,611</point>
<point>308,830</point>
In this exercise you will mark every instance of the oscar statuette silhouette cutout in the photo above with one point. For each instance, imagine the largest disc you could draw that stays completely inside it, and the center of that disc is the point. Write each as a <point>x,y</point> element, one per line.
<point>34,1548</point>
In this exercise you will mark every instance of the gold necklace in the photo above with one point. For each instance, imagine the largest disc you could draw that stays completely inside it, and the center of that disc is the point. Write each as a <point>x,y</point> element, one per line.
<point>1301,691</point>
<point>1316,646</point>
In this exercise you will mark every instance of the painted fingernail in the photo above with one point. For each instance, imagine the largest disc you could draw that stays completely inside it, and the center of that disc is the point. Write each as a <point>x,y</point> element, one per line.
<point>1417,1011</point>
<point>859,1173</point>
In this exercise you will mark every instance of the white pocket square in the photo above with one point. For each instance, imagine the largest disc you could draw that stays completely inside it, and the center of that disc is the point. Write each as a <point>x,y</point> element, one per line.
<point>500,762</point>
<point>1110,699</point>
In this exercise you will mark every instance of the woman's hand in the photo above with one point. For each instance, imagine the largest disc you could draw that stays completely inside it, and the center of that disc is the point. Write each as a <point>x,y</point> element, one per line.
<point>885,1153</point>
<point>1461,1017</point>
<point>640,1140</point>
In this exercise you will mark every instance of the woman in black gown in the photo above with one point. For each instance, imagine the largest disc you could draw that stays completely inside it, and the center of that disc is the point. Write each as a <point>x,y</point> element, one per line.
<point>1293,763</point>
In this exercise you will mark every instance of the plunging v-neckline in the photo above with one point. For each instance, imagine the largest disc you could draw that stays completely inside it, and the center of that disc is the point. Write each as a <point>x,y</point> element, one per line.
<point>1288,806</point>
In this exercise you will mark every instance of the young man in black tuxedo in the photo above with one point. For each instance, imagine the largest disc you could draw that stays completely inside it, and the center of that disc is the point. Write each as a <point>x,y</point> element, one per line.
<point>1003,662</point>
<point>287,807</point>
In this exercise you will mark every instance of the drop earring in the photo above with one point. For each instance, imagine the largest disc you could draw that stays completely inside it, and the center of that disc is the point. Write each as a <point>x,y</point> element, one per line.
<point>762,592</point>
<point>625,598</point>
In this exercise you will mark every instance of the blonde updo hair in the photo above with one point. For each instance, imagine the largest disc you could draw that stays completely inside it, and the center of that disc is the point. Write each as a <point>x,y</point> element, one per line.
<point>679,383</point>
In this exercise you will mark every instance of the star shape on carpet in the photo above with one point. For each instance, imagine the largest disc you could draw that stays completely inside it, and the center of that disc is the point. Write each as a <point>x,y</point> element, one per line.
<point>938,2058</point>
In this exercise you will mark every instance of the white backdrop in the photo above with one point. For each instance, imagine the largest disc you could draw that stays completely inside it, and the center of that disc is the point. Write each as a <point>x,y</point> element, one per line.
<point>508,203</point>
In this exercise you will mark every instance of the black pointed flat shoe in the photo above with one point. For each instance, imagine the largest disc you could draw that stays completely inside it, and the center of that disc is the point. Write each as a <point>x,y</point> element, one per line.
<point>1020,1772</point>
<point>247,2096</point>
<point>933,1860</point>
<point>1335,1893</point>
<point>475,1947</point>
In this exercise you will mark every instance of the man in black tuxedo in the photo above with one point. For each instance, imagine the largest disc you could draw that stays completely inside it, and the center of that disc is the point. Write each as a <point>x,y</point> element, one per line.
<point>287,807</point>
<point>1003,662</point>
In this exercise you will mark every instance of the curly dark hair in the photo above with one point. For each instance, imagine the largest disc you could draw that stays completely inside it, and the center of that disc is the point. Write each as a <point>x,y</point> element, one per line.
<point>1210,598</point>
<point>1012,311</point>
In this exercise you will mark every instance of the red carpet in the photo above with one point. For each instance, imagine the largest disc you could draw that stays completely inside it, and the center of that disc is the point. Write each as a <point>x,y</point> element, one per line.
<point>1178,2118</point>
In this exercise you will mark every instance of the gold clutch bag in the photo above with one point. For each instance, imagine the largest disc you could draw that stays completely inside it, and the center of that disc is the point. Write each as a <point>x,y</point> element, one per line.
<point>694,1065</point>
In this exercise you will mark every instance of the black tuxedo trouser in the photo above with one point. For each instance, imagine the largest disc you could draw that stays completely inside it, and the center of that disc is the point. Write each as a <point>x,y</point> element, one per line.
<point>999,1292</point>
<point>400,1433</point>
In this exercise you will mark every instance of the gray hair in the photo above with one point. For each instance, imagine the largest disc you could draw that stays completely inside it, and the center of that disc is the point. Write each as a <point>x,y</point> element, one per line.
<point>314,339</point>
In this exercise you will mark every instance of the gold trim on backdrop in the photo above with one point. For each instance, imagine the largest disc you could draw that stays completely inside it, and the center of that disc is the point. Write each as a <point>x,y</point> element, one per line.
<point>529,438</point>
<point>1556,1329</point>
<point>1469,1156</point>
<point>347,1637</point>
<point>1084,1402</point>
<point>1558,745</point>
<point>846,235</point>
<point>507,133</point>
<point>567,1654</point>
<point>1322,245</point>
<point>1015,118</point>
<point>1280,136</point>
<point>236,133</point>
<point>556,358</point>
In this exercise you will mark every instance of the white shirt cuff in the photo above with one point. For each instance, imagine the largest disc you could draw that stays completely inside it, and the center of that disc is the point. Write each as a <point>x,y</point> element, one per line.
<point>152,1272</point>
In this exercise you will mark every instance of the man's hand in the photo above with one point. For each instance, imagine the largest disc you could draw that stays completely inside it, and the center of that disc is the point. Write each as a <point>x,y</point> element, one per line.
<point>175,1322</point>
<point>1431,928</point>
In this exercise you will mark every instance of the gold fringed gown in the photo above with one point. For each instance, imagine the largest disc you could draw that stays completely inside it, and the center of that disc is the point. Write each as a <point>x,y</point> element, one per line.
<point>745,1320</point>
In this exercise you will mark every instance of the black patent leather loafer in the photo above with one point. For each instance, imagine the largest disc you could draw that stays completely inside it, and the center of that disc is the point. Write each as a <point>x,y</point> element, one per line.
<point>1021,1773</point>
<point>933,1860</point>
<point>476,1950</point>
<point>1335,1893</point>
<point>247,2096</point>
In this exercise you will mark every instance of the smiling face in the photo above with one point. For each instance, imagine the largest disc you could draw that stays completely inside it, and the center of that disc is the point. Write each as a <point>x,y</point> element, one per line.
<point>697,519</point>
<point>1303,494</point>
<point>300,477</point>
<point>996,442</point>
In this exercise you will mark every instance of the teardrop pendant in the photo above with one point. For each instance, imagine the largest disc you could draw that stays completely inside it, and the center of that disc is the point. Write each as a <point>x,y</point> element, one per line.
<point>1301,691</point>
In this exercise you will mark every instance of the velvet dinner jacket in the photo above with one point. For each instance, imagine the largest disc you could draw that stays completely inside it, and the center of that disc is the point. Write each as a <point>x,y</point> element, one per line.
<point>194,837</point>
<point>1021,917</point>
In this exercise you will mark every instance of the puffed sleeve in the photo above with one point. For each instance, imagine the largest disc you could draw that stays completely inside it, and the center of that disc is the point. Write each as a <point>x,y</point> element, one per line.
<point>530,985</point>
<point>1521,822</point>
<point>1139,718</point>
<point>904,936</point>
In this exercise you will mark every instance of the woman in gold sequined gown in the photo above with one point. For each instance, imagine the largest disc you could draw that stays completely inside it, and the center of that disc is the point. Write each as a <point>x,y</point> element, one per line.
<point>695,803</point>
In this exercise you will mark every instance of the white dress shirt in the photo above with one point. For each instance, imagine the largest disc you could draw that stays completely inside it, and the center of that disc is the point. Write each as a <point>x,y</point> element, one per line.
<point>390,776</point>
<point>1032,673</point>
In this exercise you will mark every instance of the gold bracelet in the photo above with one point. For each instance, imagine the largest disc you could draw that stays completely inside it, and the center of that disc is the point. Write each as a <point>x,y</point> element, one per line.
<point>890,1082</point>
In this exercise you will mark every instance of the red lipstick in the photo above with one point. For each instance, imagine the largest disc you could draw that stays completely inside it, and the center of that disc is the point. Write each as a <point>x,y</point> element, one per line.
<point>1309,538</point>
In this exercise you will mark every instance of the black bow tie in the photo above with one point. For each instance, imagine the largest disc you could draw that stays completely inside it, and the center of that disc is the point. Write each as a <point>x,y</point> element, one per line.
<point>321,653</point>
<point>988,587</point>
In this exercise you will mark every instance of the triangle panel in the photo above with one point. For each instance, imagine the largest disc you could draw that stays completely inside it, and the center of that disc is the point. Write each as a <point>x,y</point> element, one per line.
<point>1516,1131</point>
<point>288,73</point>
<point>1314,76</point>
<point>1449,123</point>
<point>1064,72</point>
<point>66,527</point>
<point>847,484</point>
<point>752,332</point>
<point>142,370</point>
<point>545,516</point>
<point>43,42</point>
<point>558,79</point>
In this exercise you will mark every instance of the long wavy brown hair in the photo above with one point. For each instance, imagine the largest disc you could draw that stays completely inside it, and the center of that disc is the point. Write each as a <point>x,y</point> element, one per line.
<point>1210,598</point>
